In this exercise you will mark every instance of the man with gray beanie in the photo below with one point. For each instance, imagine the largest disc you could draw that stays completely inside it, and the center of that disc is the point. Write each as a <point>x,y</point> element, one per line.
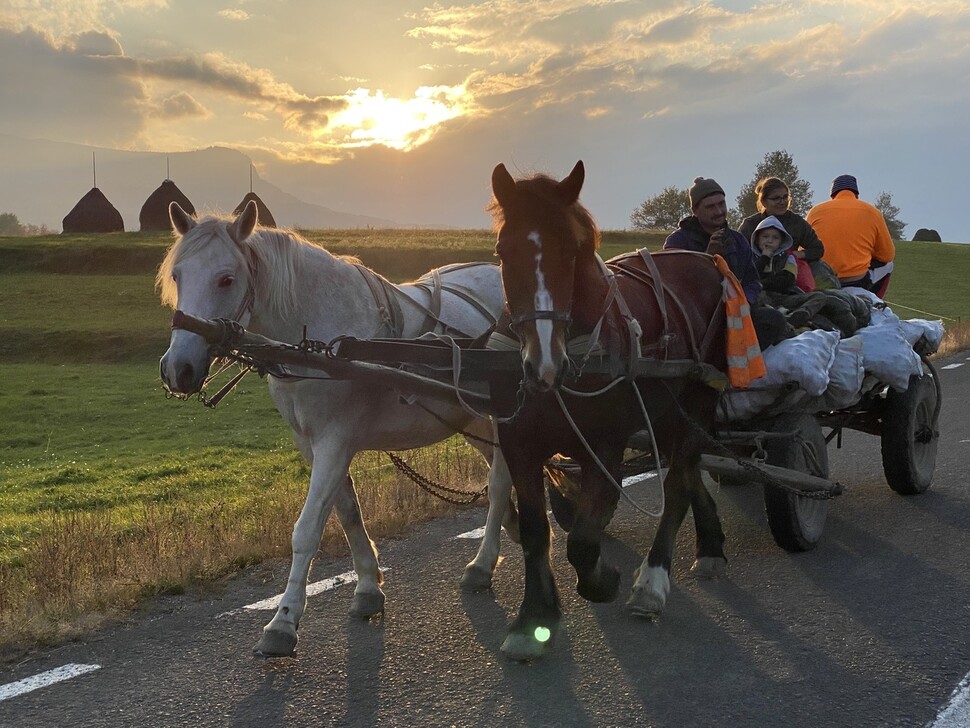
<point>707,231</point>
<point>857,242</point>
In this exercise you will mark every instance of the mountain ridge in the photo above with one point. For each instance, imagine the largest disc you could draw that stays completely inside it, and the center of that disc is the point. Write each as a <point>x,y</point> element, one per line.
<point>42,180</point>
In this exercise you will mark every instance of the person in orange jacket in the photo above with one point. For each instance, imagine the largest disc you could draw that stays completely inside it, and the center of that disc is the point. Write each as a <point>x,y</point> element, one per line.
<point>857,242</point>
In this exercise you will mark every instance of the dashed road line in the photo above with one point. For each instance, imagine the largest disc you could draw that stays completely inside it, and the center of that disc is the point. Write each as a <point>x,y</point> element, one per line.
<point>954,366</point>
<point>317,587</point>
<point>42,680</point>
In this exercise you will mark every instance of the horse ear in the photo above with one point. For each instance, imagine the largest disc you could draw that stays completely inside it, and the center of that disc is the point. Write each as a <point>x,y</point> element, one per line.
<point>242,227</point>
<point>181,220</point>
<point>503,186</point>
<point>569,188</point>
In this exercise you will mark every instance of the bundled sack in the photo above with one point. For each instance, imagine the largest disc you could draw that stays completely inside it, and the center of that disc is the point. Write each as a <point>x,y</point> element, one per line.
<point>805,359</point>
<point>797,371</point>
<point>924,336</point>
<point>845,376</point>
<point>889,356</point>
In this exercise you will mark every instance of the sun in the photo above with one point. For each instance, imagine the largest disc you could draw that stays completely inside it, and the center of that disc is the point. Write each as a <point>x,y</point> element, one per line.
<point>375,118</point>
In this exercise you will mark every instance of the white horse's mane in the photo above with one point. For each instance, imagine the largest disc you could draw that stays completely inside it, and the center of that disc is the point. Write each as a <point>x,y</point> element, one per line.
<point>274,254</point>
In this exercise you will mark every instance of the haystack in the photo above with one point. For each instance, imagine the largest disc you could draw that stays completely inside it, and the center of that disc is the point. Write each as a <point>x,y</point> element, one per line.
<point>93,213</point>
<point>154,213</point>
<point>265,217</point>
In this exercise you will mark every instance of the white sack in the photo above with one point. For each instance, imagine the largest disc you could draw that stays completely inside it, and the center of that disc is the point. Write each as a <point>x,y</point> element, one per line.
<point>889,356</point>
<point>845,376</point>
<point>916,329</point>
<point>805,359</point>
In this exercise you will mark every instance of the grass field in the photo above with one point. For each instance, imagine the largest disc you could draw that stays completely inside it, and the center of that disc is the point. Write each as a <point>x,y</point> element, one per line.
<point>109,492</point>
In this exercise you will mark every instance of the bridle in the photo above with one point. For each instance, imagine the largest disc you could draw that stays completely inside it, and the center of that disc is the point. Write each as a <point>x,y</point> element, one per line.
<point>542,315</point>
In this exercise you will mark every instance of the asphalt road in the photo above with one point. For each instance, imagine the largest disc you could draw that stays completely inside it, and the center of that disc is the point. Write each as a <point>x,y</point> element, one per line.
<point>869,629</point>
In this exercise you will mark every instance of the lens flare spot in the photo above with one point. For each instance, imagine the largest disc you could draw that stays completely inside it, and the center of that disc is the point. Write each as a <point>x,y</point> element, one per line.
<point>542,634</point>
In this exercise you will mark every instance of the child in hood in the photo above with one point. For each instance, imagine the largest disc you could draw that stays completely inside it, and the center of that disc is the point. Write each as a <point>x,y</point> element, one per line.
<point>774,257</point>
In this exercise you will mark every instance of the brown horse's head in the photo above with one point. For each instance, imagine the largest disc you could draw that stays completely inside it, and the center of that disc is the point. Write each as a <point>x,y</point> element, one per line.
<point>542,229</point>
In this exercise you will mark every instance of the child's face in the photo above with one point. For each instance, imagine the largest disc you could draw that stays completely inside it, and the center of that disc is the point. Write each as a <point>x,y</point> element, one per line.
<point>769,240</point>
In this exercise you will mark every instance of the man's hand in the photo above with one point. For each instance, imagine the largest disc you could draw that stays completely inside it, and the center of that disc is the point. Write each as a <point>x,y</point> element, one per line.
<point>716,245</point>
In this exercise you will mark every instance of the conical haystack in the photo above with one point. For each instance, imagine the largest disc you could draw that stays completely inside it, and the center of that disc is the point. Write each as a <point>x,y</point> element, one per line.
<point>93,214</point>
<point>154,213</point>
<point>265,217</point>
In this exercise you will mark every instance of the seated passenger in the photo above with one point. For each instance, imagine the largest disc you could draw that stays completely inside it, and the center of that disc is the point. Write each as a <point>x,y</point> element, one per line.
<point>707,231</point>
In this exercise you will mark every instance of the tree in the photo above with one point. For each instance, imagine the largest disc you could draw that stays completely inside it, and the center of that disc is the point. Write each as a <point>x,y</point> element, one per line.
<point>661,211</point>
<point>781,165</point>
<point>10,225</point>
<point>884,203</point>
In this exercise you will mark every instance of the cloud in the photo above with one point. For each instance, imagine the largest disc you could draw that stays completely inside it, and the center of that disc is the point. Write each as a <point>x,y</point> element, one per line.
<point>86,98</point>
<point>179,106</point>
<point>234,14</point>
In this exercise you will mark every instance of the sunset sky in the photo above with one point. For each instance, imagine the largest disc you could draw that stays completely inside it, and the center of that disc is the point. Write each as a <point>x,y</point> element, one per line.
<point>400,109</point>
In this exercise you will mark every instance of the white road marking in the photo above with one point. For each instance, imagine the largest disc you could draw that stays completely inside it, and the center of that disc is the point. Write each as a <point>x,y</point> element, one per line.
<point>475,533</point>
<point>317,587</point>
<point>631,479</point>
<point>956,713</point>
<point>28,684</point>
<point>953,366</point>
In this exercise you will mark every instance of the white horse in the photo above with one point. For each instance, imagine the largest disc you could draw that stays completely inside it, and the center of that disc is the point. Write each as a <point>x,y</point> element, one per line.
<point>274,283</point>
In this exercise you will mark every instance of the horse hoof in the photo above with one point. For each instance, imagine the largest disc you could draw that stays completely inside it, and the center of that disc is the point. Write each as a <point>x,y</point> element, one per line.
<point>367,604</point>
<point>524,647</point>
<point>709,567</point>
<point>476,579</point>
<point>275,643</point>
<point>603,590</point>
<point>645,604</point>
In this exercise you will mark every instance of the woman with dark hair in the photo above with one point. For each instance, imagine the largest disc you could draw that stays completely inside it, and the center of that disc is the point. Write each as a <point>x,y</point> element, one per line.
<point>773,199</point>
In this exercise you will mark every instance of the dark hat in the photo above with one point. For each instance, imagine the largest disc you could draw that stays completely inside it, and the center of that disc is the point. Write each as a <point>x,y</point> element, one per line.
<point>702,187</point>
<point>844,182</point>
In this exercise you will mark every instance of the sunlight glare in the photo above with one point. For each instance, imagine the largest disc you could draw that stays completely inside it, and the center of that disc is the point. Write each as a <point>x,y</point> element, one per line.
<point>404,124</point>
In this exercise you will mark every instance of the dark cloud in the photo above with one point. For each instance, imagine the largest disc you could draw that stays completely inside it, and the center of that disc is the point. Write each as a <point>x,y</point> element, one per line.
<point>64,92</point>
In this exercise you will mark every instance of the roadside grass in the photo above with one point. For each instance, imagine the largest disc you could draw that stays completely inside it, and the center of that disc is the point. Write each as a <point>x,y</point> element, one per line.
<point>109,493</point>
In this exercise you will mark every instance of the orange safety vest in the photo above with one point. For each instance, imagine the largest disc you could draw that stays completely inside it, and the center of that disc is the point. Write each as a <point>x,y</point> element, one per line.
<point>744,360</point>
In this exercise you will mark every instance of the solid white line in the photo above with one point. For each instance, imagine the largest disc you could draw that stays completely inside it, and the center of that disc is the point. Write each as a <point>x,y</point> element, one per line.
<point>12,690</point>
<point>953,366</point>
<point>956,713</point>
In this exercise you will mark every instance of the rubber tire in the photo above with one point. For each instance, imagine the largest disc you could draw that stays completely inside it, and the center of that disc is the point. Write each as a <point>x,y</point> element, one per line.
<point>796,522</point>
<point>907,463</point>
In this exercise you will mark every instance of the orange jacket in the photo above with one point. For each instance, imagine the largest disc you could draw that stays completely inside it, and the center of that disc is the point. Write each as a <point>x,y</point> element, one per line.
<point>853,232</point>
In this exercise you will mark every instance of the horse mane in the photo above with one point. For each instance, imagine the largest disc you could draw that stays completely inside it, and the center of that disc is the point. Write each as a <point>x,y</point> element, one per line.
<point>275,255</point>
<point>539,194</point>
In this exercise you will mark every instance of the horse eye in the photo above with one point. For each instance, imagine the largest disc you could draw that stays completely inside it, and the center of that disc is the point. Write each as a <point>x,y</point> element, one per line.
<point>175,277</point>
<point>226,281</point>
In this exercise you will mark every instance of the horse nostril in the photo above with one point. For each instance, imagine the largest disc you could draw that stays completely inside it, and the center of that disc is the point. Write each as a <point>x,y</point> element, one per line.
<point>184,377</point>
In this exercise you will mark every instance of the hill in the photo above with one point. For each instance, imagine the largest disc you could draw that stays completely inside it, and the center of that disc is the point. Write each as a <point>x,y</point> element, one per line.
<point>42,180</point>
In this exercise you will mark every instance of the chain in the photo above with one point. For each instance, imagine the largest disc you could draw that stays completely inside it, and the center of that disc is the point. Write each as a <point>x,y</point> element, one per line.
<point>760,453</point>
<point>438,490</point>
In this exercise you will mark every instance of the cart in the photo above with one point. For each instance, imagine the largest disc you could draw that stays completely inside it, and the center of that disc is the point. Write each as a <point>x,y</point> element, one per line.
<point>784,449</point>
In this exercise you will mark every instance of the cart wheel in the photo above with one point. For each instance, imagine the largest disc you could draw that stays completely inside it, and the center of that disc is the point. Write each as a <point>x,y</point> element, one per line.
<point>796,522</point>
<point>909,435</point>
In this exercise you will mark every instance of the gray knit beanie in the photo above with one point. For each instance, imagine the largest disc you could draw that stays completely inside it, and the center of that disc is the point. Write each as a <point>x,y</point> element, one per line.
<point>702,187</point>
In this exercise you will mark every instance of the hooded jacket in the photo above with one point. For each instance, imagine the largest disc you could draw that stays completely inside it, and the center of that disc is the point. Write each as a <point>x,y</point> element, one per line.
<point>778,270</point>
<point>737,253</point>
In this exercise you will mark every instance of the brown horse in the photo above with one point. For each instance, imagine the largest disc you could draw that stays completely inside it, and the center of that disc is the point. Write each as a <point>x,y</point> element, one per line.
<point>556,287</point>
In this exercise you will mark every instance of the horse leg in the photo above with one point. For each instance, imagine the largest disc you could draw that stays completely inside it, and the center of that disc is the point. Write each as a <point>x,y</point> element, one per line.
<point>595,580</point>
<point>652,580</point>
<point>478,572</point>
<point>330,461</point>
<point>539,614</point>
<point>368,597</point>
<point>709,561</point>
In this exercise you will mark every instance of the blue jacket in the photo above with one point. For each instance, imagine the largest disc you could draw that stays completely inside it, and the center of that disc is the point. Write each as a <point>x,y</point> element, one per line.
<point>737,252</point>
